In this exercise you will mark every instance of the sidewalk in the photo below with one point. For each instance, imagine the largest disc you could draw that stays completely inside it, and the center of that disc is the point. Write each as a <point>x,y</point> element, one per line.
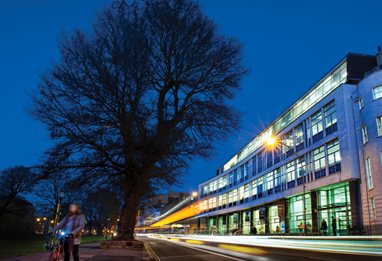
<point>92,252</point>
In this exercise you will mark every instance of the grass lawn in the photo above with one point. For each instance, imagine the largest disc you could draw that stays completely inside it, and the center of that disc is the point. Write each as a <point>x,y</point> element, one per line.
<point>20,247</point>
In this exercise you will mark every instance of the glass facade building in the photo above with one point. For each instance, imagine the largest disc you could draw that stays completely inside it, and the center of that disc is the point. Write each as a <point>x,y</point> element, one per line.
<point>316,174</point>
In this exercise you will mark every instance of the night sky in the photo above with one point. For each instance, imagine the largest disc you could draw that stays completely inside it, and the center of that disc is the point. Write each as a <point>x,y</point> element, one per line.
<point>289,45</point>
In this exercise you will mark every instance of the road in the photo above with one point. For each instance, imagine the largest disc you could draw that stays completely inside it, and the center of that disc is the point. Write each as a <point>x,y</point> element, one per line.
<point>164,249</point>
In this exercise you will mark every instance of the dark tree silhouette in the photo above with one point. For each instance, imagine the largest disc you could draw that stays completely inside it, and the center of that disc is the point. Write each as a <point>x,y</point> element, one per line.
<point>14,181</point>
<point>138,97</point>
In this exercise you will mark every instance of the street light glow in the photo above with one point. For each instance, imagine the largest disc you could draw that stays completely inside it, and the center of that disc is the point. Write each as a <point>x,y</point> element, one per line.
<point>194,194</point>
<point>271,141</point>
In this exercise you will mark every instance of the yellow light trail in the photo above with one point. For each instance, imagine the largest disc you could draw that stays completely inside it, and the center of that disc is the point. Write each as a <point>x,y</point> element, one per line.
<point>186,212</point>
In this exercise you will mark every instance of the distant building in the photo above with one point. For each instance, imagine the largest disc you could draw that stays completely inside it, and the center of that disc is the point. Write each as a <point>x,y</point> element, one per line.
<point>158,205</point>
<point>330,149</point>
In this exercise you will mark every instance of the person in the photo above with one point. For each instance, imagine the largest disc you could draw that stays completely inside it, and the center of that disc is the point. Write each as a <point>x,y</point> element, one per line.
<point>254,230</point>
<point>72,225</point>
<point>301,227</point>
<point>334,226</point>
<point>324,226</point>
<point>277,229</point>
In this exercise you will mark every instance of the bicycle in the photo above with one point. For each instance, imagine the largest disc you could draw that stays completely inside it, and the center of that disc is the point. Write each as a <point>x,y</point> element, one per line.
<point>56,246</point>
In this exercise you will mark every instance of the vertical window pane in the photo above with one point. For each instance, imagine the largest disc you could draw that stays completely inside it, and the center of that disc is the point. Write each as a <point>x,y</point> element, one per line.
<point>364,135</point>
<point>368,174</point>
<point>377,92</point>
<point>379,125</point>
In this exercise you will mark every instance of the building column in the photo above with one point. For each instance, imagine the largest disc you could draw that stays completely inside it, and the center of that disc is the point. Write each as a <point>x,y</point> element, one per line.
<point>355,204</point>
<point>315,222</point>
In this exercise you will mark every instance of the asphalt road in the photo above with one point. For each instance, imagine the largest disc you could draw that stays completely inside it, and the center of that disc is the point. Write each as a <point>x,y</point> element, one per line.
<point>169,250</point>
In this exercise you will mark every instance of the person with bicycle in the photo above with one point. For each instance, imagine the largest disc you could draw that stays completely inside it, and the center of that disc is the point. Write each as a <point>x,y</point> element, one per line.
<point>71,226</point>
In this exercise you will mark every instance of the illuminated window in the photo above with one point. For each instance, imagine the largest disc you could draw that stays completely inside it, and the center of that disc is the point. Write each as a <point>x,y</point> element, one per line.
<point>277,176</point>
<point>330,118</point>
<point>299,137</point>
<point>368,174</point>
<point>260,186</point>
<point>241,193</point>
<point>290,174</point>
<point>288,143</point>
<point>379,125</point>
<point>319,162</point>
<point>316,123</point>
<point>230,197</point>
<point>365,138</point>
<point>377,92</point>
<point>254,187</point>
<point>234,195</point>
<point>269,180</point>
<point>246,191</point>
<point>334,157</point>
<point>301,168</point>
<point>224,199</point>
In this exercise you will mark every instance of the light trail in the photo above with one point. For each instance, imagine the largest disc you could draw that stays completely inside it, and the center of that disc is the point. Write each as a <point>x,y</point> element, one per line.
<point>329,246</point>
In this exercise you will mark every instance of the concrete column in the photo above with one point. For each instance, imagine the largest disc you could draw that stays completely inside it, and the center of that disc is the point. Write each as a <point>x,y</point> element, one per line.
<point>355,203</point>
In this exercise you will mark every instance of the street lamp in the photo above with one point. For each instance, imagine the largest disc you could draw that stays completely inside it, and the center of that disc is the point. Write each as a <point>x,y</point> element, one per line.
<point>58,206</point>
<point>194,195</point>
<point>271,143</point>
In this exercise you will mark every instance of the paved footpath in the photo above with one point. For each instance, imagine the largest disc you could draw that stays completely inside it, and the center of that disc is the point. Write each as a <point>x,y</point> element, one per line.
<point>92,252</point>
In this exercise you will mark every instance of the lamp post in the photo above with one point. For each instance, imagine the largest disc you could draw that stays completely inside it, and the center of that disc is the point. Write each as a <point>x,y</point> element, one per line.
<point>58,207</point>
<point>272,142</point>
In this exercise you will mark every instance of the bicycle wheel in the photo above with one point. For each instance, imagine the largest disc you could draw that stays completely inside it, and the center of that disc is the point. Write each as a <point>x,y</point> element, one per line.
<point>57,254</point>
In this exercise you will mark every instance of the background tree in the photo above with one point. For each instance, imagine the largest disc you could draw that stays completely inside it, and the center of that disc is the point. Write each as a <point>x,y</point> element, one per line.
<point>138,97</point>
<point>14,182</point>
<point>101,210</point>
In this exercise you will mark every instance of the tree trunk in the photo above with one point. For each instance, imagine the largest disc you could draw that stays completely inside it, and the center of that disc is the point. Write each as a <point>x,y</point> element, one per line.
<point>129,212</point>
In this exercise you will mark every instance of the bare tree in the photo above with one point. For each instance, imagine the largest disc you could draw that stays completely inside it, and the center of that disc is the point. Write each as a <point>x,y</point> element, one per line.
<point>138,97</point>
<point>14,181</point>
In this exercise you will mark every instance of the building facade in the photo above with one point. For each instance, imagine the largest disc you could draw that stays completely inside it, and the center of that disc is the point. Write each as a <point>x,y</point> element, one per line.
<point>327,166</point>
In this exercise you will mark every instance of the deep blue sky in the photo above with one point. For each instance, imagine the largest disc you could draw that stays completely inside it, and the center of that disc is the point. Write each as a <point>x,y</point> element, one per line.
<point>289,45</point>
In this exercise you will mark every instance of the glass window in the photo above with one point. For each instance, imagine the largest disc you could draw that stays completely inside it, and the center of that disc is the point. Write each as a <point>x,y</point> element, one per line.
<point>220,200</point>
<point>239,173</point>
<point>230,199</point>
<point>230,178</point>
<point>333,152</point>
<point>301,167</point>
<point>260,162</point>
<point>254,187</point>
<point>269,180</point>
<point>224,199</point>
<point>241,193</point>
<point>377,92</point>
<point>288,142</point>
<point>319,158</point>
<point>260,185</point>
<point>246,190</point>
<point>316,123</point>
<point>330,114</point>
<point>234,195</point>
<point>299,135</point>
<point>319,164</point>
<point>277,175</point>
<point>290,171</point>
<point>360,103</point>
<point>379,125</point>
<point>368,173</point>
<point>254,166</point>
<point>365,138</point>
<point>246,169</point>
